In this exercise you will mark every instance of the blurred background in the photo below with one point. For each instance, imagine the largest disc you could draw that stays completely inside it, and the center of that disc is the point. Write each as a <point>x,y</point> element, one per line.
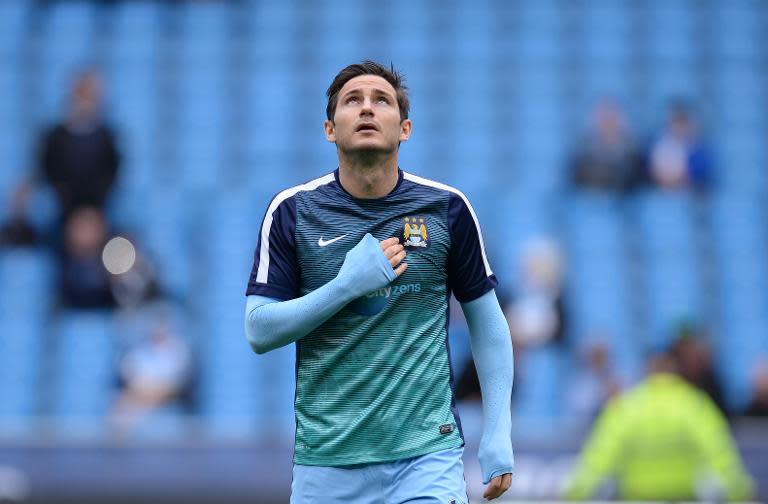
<point>615,153</point>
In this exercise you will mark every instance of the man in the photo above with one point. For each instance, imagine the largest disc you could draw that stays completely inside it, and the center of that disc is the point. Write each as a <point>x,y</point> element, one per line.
<point>680,158</point>
<point>607,160</point>
<point>79,158</point>
<point>375,415</point>
<point>663,440</point>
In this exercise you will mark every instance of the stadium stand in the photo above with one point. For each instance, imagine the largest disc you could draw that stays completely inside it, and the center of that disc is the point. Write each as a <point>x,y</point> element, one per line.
<point>220,105</point>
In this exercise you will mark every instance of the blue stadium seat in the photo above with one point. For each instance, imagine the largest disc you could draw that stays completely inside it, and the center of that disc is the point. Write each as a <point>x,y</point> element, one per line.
<point>673,34</point>
<point>167,236</point>
<point>274,30</point>
<point>738,30</point>
<point>599,295</point>
<point>70,26</point>
<point>137,28</point>
<point>25,298</point>
<point>743,280</point>
<point>471,37</point>
<point>241,391</point>
<point>85,371</point>
<point>670,237</point>
<point>14,21</point>
<point>13,145</point>
<point>538,392</point>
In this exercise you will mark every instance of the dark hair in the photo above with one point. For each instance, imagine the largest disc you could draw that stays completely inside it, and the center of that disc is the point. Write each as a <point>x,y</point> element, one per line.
<point>368,67</point>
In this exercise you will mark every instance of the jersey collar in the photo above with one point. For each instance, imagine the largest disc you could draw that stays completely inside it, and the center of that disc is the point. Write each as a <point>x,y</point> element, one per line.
<point>394,189</point>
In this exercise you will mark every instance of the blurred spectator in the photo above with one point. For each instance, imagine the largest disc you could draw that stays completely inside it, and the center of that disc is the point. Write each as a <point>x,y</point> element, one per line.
<point>78,157</point>
<point>607,159</point>
<point>679,158</point>
<point>593,383</point>
<point>18,232</point>
<point>694,359</point>
<point>155,375</point>
<point>662,440</point>
<point>537,315</point>
<point>84,282</point>
<point>758,407</point>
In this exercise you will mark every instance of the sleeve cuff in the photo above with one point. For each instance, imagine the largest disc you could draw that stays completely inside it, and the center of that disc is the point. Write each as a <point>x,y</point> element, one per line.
<point>498,472</point>
<point>273,291</point>
<point>466,295</point>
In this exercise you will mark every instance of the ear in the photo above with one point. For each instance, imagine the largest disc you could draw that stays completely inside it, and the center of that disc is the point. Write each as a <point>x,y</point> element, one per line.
<point>405,130</point>
<point>330,130</point>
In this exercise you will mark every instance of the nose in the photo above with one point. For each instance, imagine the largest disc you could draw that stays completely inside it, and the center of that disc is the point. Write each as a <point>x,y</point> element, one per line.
<point>367,107</point>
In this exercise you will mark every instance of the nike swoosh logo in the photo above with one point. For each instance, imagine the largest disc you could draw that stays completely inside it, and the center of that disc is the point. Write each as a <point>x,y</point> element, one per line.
<point>326,243</point>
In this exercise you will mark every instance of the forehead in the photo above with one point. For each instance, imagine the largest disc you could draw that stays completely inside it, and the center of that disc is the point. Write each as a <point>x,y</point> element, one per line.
<point>367,82</point>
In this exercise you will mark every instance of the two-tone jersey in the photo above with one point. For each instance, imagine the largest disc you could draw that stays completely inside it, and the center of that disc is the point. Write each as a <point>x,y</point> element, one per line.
<point>374,382</point>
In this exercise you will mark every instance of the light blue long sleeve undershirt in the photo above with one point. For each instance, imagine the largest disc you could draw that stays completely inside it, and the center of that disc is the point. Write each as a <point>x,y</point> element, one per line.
<point>492,353</point>
<point>272,323</point>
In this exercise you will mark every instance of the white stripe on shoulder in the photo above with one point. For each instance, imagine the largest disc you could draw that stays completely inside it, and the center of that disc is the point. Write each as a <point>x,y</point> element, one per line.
<point>263,271</point>
<point>445,187</point>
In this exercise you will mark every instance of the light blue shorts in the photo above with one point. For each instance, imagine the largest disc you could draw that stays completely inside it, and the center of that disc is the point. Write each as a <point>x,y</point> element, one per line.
<point>434,478</point>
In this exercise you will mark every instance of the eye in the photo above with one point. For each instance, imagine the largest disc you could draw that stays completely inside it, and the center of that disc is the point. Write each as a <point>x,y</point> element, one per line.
<point>352,99</point>
<point>382,99</point>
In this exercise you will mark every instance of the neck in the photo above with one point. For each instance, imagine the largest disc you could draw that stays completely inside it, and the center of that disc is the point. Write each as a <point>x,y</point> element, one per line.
<point>368,175</point>
<point>81,123</point>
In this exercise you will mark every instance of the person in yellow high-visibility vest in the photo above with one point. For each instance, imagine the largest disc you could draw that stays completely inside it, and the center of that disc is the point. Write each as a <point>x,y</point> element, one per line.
<point>662,440</point>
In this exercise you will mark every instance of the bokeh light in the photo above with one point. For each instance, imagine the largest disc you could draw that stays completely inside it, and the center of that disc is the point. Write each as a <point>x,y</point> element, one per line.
<point>119,255</point>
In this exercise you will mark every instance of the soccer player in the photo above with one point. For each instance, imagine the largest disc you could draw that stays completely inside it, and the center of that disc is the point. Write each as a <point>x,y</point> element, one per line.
<point>357,267</point>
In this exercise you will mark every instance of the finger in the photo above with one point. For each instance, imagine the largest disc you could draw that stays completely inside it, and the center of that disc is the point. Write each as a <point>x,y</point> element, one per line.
<point>506,482</point>
<point>494,493</point>
<point>385,244</point>
<point>397,259</point>
<point>500,485</point>
<point>400,269</point>
<point>393,250</point>
<point>491,491</point>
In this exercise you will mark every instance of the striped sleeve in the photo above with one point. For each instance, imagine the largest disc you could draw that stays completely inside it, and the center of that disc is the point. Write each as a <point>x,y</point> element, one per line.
<point>275,270</point>
<point>469,274</point>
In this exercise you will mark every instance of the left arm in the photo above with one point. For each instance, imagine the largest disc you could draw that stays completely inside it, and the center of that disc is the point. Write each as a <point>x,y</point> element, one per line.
<point>492,353</point>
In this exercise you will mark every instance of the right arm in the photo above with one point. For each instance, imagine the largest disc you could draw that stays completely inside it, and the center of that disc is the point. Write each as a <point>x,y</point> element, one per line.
<point>713,439</point>
<point>370,265</point>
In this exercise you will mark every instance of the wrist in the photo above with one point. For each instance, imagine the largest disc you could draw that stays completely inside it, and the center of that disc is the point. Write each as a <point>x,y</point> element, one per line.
<point>345,288</point>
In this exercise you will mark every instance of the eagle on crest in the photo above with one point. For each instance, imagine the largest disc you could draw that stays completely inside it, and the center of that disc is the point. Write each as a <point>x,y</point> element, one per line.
<point>414,232</point>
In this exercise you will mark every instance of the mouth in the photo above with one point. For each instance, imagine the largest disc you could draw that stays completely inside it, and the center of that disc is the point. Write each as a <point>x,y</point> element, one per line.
<point>366,127</point>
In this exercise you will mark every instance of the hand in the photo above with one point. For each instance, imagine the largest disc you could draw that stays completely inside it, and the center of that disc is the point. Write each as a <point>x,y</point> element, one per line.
<point>371,264</point>
<point>395,253</point>
<point>498,486</point>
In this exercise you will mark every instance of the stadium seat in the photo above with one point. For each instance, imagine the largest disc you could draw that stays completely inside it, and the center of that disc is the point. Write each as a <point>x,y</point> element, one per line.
<point>241,391</point>
<point>537,389</point>
<point>84,371</point>
<point>14,20</point>
<point>599,295</point>
<point>25,278</point>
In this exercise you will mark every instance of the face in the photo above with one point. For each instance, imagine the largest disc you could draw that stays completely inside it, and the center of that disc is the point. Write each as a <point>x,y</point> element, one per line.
<point>609,119</point>
<point>367,117</point>
<point>85,232</point>
<point>86,96</point>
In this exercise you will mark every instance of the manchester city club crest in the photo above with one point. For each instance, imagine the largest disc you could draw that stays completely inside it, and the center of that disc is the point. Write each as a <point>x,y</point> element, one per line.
<point>415,233</point>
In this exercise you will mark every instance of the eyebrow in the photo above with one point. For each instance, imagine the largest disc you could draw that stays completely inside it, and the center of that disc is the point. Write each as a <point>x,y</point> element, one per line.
<point>375,91</point>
